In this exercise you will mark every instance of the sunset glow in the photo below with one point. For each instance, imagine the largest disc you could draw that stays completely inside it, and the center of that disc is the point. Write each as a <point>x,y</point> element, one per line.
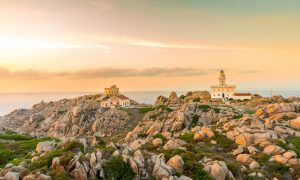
<point>148,45</point>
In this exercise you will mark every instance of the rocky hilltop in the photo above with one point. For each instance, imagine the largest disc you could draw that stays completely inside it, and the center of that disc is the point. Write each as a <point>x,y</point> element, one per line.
<point>186,137</point>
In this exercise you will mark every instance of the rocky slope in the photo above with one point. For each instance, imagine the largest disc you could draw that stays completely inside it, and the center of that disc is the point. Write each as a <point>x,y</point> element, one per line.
<point>183,138</point>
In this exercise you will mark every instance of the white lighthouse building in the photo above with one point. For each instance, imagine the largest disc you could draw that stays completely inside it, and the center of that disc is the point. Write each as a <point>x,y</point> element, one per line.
<point>226,92</point>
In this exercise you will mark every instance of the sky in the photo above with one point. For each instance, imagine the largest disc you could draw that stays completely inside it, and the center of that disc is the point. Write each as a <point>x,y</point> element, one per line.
<point>148,45</point>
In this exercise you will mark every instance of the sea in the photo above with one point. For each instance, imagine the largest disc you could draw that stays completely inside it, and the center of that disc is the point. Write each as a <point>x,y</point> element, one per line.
<point>12,101</point>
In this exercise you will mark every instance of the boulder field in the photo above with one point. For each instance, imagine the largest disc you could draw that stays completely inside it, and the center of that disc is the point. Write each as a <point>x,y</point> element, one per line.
<point>179,138</point>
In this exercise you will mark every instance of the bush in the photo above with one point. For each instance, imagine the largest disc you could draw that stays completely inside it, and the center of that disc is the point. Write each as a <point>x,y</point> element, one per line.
<point>162,137</point>
<point>204,108</point>
<point>74,145</point>
<point>237,116</point>
<point>101,142</point>
<point>223,141</point>
<point>187,137</point>
<point>262,158</point>
<point>17,149</point>
<point>196,99</point>
<point>249,111</point>
<point>62,175</point>
<point>146,109</point>
<point>195,120</point>
<point>16,137</point>
<point>46,160</point>
<point>217,110</point>
<point>116,168</point>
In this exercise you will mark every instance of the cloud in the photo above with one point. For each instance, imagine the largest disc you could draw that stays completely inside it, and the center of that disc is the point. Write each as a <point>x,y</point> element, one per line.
<point>249,72</point>
<point>106,72</point>
<point>129,41</point>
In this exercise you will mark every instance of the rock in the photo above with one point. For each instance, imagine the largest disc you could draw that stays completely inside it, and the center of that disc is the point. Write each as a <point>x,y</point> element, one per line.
<point>213,142</point>
<point>237,151</point>
<point>79,172</point>
<point>134,166</point>
<point>173,144</point>
<point>157,142</point>
<point>56,164</point>
<point>217,169</point>
<point>244,139</point>
<point>254,165</point>
<point>251,121</point>
<point>289,154</point>
<point>184,178</point>
<point>43,177</point>
<point>12,176</point>
<point>36,118</point>
<point>43,147</point>
<point>199,136</point>
<point>217,172</point>
<point>280,159</point>
<point>173,98</point>
<point>137,144</point>
<point>207,131</point>
<point>273,150</point>
<point>244,158</point>
<point>160,169</point>
<point>295,123</point>
<point>161,100</point>
<point>176,163</point>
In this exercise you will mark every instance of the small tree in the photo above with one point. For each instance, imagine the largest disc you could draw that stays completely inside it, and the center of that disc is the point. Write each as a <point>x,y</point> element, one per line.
<point>116,168</point>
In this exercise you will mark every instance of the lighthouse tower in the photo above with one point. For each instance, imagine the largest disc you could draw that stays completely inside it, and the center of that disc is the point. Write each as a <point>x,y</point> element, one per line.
<point>222,91</point>
<point>222,78</point>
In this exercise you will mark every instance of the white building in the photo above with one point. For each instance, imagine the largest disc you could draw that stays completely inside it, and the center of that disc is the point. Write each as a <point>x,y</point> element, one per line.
<point>226,92</point>
<point>114,99</point>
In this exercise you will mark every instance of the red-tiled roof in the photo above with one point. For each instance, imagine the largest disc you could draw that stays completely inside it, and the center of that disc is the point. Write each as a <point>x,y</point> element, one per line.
<point>242,94</point>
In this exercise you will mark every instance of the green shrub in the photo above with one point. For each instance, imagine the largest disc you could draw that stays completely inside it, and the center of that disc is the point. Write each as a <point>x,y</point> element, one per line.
<point>17,149</point>
<point>16,137</point>
<point>62,175</point>
<point>149,147</point>
<point>46,160</point>
<point>74,145</point>
<point>5,156</point>
<point>116,168</point>
<point>197,99</point>
<point>194,170</point>
<point>262,158</point>
<point>223,141</point>
<point>204,108</point>
<point>187,137</point>
<point>101,141</point>
<point>146,109</point>
<point>237,116</point>
<point>164,108</point>
<point>249,111</point>
<point>277,168</point>
<point>142,135</point>
<point>217,110</point>
<point>195,120</point>
<point>162,137</point>
<point>66,158</point>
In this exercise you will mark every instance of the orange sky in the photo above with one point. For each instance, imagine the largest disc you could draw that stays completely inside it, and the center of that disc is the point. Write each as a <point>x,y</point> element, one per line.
<point>85,45</point>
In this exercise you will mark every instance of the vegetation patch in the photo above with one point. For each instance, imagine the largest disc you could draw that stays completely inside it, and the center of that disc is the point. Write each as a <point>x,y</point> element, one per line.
<point>116,168</point>
<point>145,109</point>
<point>17,147</point>
<point>217,110</point>
<point>187,137</point>
<point>290,140</point>
<point>249,111</point>
<point>204,108</point>
<point>237,116</point>
<point>197,99</point>
<point>195,120</point>
<point>162,137</point>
